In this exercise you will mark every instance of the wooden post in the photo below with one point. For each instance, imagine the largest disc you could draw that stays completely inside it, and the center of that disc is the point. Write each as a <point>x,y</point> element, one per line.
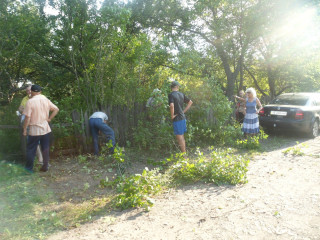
<point>23,141</point>
<point>83,131</point>
<point>87,127</point>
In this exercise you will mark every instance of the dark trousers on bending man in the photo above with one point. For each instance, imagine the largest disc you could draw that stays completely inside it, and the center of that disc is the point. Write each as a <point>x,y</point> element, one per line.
<point>96,125</point>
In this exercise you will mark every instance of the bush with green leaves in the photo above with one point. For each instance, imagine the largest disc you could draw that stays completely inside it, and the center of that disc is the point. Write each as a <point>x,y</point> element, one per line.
<point>252,142</point>
<point>137,190</point>
<point>223,167</point>
<point>153,135</point>
<point>154,131</point>
<point>211,116</point>
<point>10,137</point>
<point>218,135</point>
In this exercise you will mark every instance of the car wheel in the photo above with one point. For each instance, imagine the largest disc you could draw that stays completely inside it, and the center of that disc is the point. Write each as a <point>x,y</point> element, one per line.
<point>314,129</point>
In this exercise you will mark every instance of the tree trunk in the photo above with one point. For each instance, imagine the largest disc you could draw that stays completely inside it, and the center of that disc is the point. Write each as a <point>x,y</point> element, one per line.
<point>231,80</point>
<point>271,81</point>
<point>241,75</point>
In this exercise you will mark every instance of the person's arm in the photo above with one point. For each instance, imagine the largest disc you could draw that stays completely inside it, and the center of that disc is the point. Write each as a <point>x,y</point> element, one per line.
<point>188,106</point>
<point>237,106</point>
<point>53,114</point>
<point>25,125</point>
<point>172,111</point>
<point>259,105</point>
<point>21,108</point>
<point>240,98</point>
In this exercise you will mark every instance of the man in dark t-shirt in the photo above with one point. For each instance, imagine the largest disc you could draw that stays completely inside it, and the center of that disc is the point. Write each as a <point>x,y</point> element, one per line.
<point>176,101</point>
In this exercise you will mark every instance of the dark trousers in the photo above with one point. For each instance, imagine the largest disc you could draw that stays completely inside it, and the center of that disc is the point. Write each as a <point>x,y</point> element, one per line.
<point>32,144</point>
<point>240,117</point>
<point>96,125</point>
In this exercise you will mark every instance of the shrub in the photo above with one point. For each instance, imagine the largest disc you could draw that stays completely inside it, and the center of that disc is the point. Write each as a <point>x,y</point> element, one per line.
<point>154,131</point>
<point>222,167</point>
<point>10,138</point>
<point>252,142</point>
<point>136,190</point>
<point>153,136</point>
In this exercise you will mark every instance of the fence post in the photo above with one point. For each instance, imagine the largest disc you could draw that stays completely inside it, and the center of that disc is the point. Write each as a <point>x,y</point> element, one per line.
<point>84,118</point>
<point>87,135</point>
<point>23,141</point>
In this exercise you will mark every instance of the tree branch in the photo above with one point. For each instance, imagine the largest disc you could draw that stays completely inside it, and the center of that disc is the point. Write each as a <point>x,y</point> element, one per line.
<point>255,81</point>
<point>283,89</point>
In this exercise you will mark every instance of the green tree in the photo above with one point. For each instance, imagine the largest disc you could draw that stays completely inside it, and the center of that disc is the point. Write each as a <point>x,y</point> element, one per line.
<point>224,28</point>
<point>21,29</point>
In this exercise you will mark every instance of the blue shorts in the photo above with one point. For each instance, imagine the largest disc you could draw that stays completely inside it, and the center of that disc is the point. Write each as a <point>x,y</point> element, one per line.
<point>180,127</point>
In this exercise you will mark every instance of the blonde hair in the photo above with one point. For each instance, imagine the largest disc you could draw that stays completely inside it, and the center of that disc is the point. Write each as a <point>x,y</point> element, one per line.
<point>253,91</point>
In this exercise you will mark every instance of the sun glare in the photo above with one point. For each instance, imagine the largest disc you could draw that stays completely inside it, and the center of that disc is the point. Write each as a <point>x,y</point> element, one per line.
<point>301,29</point>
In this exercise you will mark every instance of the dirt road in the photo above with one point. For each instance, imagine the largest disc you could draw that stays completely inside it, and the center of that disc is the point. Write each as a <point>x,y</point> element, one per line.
<point>280,201</point>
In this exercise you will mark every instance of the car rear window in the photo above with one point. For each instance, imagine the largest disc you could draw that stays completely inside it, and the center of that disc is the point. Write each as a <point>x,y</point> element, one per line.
<point>291,100</point>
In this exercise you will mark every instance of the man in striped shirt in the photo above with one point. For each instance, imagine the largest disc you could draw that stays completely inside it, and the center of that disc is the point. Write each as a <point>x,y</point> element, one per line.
<point>37,118</point>
<point>21,108</point>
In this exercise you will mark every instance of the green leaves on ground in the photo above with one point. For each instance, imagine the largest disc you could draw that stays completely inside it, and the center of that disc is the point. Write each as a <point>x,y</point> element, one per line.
<point>220,167</point>
<point>252,142</point>
<point>137,190</point>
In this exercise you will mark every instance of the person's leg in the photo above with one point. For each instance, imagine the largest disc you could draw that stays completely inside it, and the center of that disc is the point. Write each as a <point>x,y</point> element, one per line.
<point>241,117</point>
<point>105,129</point>
<point>32,144</point>
<point>39,155</point>
<point>181,142</point>
<point>179,128</point>
<point>45,148</point>
<point>95,134</point>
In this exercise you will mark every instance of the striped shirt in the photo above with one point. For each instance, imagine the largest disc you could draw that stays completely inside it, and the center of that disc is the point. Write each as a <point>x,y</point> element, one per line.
<point>38,108</point>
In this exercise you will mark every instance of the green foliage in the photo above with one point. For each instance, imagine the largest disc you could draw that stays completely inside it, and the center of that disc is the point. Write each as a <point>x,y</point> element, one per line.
<point>252,142</point>
<point>155,132</point>
<point>228,167</point>
<point>210,117</point>
<point>220,135</point>
<point>153,136</point>
<point>223,167</point>
<point>82,159</point>
<point>21,30</point>
<point>118,154</point>
<point>10,137</point>
<point>137,190</point>
<point>296,150</point>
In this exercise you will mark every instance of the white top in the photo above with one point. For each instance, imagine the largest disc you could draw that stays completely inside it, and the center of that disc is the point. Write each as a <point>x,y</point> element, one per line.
<point>101,115</point>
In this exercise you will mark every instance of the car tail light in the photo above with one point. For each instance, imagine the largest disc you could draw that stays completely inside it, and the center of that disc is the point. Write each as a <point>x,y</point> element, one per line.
<point>299,114</point>
<point>261,113</point>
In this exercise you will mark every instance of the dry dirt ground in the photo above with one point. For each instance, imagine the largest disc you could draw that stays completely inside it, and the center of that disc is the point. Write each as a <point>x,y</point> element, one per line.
<point>280,201</point>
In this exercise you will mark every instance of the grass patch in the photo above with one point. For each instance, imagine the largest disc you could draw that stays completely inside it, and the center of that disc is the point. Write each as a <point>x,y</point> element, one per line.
<point>29,211</point>
<point>295,150</point>
<point>22,195</point>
